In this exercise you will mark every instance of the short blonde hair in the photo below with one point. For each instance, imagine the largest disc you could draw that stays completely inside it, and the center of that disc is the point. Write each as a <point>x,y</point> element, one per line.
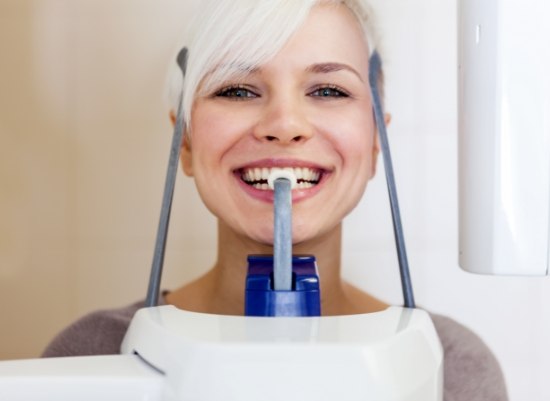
<point>231,37</point>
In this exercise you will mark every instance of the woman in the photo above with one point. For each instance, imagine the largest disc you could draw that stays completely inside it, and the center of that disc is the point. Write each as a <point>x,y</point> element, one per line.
<point>282,84</point>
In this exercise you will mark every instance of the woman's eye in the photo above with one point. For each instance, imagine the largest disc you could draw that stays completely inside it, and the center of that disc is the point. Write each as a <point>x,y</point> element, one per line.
<point>237,93</point>
<point>329,91</point>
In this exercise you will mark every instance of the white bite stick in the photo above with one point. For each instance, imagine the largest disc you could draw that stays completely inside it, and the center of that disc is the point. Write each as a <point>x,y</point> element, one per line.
<point>282,182</point>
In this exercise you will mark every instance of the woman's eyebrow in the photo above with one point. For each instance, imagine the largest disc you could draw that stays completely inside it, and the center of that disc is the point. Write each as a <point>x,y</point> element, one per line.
<point>324,68</point>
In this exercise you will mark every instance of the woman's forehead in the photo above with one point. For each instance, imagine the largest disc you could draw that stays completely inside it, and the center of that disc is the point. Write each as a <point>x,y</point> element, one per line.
<point>312,49</point>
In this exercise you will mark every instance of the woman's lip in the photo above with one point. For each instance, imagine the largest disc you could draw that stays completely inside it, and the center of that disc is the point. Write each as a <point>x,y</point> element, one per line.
<point>268,195</point>
<point>270,163</point>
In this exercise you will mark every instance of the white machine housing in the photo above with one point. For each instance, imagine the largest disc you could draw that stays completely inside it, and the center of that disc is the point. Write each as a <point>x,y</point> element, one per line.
<point>171,354</point>
<point>504,136</point>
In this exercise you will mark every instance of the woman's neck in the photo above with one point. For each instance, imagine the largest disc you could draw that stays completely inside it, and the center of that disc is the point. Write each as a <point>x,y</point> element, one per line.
<point>222,289</point>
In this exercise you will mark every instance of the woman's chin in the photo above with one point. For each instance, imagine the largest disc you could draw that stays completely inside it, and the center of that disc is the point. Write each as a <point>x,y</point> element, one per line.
<point>267,240</point>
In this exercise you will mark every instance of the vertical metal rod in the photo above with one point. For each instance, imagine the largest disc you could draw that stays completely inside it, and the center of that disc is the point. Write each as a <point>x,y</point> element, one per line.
<point>162,233</point>
<point>282,241</point>
<point>375,68</point>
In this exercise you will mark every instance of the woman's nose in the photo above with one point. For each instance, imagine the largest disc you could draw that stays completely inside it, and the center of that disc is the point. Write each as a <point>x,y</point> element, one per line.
<point>284,121</point>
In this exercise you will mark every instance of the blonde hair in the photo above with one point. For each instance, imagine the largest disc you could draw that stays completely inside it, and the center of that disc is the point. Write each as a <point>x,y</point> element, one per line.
<point>231,37</point>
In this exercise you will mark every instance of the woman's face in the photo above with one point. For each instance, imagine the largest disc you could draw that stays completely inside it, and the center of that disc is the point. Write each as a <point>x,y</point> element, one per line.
<point>309,109</point>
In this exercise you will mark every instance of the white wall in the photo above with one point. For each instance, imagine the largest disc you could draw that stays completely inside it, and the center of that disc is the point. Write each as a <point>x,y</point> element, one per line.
<point>84,143</point>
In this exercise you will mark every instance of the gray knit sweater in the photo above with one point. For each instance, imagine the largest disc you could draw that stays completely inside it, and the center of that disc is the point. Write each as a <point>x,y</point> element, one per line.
<point>471,372</point>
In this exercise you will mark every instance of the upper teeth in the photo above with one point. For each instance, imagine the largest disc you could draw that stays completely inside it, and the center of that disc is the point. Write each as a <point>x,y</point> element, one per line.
<point>251,175</point>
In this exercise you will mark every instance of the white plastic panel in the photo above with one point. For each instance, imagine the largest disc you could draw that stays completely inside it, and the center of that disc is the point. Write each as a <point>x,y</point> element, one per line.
<point>504,136</point>
<point>394,355</point>
<point>89,378</point>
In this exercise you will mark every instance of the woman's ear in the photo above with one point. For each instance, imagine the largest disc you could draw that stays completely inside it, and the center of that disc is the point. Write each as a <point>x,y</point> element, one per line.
<point>376,145</point>
<point>387,118</point>
<point>186,158</point>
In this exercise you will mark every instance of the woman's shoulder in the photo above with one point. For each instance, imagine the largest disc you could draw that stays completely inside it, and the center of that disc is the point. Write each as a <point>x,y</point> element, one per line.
<point>97,333</point>
<point>471,371</point>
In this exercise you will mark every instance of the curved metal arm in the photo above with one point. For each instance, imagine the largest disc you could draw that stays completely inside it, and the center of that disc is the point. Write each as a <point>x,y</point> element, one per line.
<point>162,232</point>
<point>375,68</point>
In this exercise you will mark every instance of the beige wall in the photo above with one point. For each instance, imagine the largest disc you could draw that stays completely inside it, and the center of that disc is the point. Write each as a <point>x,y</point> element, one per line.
<point>35,194</point>
<point>84,140</point>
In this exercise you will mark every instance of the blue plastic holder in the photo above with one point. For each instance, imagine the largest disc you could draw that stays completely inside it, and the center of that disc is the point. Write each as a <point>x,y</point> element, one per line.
<point>262,300</point>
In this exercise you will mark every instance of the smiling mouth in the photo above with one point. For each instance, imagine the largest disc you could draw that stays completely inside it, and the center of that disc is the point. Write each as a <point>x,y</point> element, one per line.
<point>257,176</point>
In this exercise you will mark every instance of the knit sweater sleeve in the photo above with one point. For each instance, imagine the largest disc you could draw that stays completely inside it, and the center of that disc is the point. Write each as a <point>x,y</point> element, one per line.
<point>471,371</point>
<point>98,333</point>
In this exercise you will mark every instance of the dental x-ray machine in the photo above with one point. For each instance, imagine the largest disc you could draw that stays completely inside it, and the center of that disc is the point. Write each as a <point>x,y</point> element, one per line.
<point>282,348</point>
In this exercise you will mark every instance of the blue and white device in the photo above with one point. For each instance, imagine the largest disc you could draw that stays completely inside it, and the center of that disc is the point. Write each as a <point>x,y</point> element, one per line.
<point>282,284</point>
<point>282,349</point>
<point>286,351</point>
